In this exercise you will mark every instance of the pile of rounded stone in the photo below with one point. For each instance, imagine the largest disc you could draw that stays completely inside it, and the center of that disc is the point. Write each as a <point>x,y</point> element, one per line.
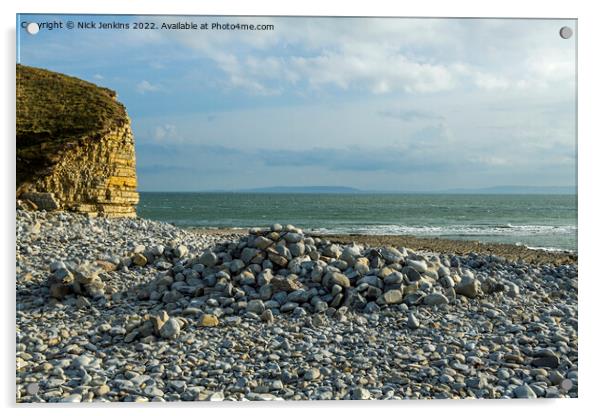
<point>281,270</point>
<point>85,278</point>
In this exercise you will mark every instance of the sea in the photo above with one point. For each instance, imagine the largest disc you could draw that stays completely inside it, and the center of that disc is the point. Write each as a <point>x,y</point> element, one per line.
<point>536,221</point>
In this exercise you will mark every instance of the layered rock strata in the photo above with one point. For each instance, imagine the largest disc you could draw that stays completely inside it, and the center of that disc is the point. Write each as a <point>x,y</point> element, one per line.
<point>75,148</point>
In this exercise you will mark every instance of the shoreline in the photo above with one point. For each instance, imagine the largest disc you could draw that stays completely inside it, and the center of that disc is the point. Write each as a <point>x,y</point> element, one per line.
<point>430,244</point>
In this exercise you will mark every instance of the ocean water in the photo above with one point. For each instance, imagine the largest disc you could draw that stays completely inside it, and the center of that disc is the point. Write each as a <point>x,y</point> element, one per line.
<point>539,221</point>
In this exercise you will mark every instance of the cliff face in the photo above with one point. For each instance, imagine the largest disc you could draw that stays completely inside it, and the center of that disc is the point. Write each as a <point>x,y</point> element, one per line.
<point>75,148</point>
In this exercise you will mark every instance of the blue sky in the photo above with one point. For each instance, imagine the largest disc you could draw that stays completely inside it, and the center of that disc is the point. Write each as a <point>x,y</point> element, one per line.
<point>377,104</point>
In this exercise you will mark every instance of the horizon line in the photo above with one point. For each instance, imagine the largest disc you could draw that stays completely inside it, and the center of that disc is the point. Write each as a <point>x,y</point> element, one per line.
<point>477,191</point>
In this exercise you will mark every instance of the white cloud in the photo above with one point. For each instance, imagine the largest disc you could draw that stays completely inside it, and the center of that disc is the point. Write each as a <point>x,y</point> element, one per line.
<point>490,82</point>
<point>378,71</point>
<point>552,68</point>
<point>385,56</point>
<point>242,75</point>
<point>144,86</point>
<point>164,133</point>
<point>340,53</point>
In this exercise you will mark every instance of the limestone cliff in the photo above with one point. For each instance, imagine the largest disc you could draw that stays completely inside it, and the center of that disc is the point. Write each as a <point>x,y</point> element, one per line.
<point>75,148</point>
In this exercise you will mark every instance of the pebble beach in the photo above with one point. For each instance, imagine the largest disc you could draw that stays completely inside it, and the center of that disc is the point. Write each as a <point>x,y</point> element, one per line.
<point>134,310</point>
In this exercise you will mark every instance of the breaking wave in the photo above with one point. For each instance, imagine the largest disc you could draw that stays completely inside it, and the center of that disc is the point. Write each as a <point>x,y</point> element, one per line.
<point>451,230</point>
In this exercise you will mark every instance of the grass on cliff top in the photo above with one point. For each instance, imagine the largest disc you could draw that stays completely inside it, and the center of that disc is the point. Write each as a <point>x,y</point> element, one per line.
<point>57,107</point>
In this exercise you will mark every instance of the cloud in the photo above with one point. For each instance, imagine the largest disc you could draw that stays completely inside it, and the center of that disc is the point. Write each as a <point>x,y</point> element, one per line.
<point>427,150</point>
<point>552,68</point>
<point>310,55</point>
<point>383,56</point>
<point>411,115</point>
<point>356,159</point>
<point>145,86</point>
<point>379,56</point>
<point>239,76</point>
<point>392,160</point>
<point>431,158</point>
<point>165,132</point>
<point>379,71</point>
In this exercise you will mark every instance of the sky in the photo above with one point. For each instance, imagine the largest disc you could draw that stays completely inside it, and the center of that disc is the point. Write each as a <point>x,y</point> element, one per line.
<point>383,104</point>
